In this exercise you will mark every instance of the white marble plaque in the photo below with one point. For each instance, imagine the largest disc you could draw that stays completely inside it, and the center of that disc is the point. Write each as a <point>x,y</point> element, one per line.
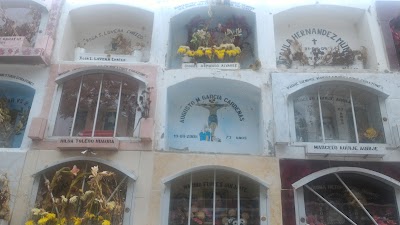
<point>13,42</point>
<point>221,66</point>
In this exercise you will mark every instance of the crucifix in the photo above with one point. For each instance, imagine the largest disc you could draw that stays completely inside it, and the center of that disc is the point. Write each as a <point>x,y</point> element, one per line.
<point>212,107</point>
<point>313,40</point>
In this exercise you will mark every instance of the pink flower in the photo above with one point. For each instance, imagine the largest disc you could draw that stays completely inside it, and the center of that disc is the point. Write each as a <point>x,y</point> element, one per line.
<point>75,170</point>
<point>197,220</point>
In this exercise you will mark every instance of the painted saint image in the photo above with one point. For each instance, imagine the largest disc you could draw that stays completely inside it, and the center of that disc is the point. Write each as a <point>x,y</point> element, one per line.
<point>212,107</point>
<point>205,134</point>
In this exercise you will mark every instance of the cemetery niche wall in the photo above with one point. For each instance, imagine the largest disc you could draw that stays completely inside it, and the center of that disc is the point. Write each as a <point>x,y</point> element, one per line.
<point>27,30</point>
<point>213,115</point>
<point>322,40</point>
<point>107,33</point>
<point>217,36</point>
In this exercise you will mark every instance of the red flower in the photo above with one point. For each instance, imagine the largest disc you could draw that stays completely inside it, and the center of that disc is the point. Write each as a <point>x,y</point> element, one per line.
<point>197,220</point>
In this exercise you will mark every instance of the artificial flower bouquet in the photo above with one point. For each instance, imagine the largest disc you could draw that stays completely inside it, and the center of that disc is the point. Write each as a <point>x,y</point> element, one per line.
<point>73,197</point>
<point>215,44</point>
<point>370,135</point>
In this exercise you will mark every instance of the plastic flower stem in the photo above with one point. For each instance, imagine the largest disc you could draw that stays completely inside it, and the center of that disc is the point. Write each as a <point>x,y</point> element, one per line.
<point>116,189</point>
<point>83,187</point>
<point>47,182</point>
<point>73,183</point>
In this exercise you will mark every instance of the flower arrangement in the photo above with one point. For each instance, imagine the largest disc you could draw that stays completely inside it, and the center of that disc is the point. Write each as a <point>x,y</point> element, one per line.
<point>12,122</point>
<point>231,218</point>
<point>123,46</point>
<point>221,43</point>
<point>73,197</point>
<point>14,27</point>
<point>384,220</point>
<point>200,215</point>
<point>369,135</point>
<point>313,220</point>
<point>333,56</point>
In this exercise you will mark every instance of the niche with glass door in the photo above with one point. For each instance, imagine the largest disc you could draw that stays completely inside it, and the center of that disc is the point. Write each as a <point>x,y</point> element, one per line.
<point>336,112</point>
<point>98,104</point>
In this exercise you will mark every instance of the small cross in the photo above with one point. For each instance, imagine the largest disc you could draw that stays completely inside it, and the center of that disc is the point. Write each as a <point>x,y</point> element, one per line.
<point>313,40</point>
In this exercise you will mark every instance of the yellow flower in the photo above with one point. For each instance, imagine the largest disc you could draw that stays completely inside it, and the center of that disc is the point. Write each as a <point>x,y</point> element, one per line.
<point>231,52</point>
<point>106,222</point>
<point>89,215</point>
<point>198,53</point>
<point>220,54</point>
<point>63,221</point>
<point>77,221</point>
<point>43,221</point>
<point>110,205</point>
<point>51,216</point>
<point>190,53</point>
<point>183,49</point>
<point>29,222</point>
<point>208,52</point>
<point>370,133</point>
<point>237,49</point>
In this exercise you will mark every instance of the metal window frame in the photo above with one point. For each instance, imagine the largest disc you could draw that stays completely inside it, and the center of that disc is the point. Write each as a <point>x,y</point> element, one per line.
<point>264,206</point>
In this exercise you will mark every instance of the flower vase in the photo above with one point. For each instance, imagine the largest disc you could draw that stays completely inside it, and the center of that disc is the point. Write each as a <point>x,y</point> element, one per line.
<point>78,52</point>
<point>358,64</point>
<point>186,59</point>
<point>138,54</point>
<point>295,64</point>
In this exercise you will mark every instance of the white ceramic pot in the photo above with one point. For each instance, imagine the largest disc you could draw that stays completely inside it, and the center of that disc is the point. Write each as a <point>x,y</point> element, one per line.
<point>138,55</point>
<point>186,59</point>
<point>78,52</point>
